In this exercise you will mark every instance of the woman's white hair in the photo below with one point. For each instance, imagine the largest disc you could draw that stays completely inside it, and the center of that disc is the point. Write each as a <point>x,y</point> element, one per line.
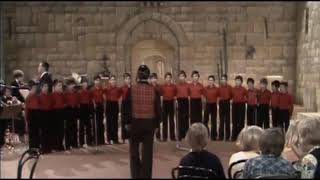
<point>197,136</point>
<point>308,133</point>
<point>248,139</point>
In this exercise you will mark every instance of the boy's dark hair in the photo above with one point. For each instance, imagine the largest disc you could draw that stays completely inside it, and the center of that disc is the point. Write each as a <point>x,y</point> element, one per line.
<point>264,81</point>
<point>225,76</point>
<point>195,72</point>
<point>284,83</point>
<point>183,73</point>
<point>70,81</point>
<point>96,77</point>
<point>211,76</point>
<point>154,75</point>
<point>31,83</point>
<point>45,65</point>
<point>84,80</point>
<point>168,74</point>
<point>43,84</point>
<point>250,80</point>
<point>143,72</point>
<point>56,81</point>
<point>125,75</point>
<point>239,78</point>
<point>276,83</point>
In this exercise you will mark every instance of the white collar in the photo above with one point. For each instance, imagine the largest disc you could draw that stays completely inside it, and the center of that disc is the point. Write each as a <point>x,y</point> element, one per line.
<point>43,74</point>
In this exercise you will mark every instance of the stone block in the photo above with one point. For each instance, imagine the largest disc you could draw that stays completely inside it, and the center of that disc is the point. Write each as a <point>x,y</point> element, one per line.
<point>67,46</point>
<point>276,52</point>
<point>275,12</point>
<point>259,27</point>
<point>255,39</point>
<point>309,99</point>
<point>59,23</point>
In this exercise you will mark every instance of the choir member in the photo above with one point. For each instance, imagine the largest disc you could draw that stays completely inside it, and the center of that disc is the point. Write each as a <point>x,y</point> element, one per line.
<point>239,98</point>
<point>183,105</point>
<point>251,103</point>
<point>32,115</point>
<point>264,97</point>
<point>125,106</point>
<point>72,110</point>
<point>153,80</point>
<point>211,93</point>
<point>98,127</point>
<point>113,94</point>
<point>85,114</point>
<point>58,115</point>
<point>225,93</point>
<point>196,91</point>
<point>285,106</point>
<point>168,92</point>
<point>275,85</point>
<point>46,120</point>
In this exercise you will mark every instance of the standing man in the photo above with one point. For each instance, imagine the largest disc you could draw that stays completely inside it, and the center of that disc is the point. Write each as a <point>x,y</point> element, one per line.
<point>43,70</point>
<point>196,92</point>
<point>239,98</point>
<point>264,97</point>
<point>145,117</point>
<point>183,105</point>
<point>211,94</point>
<point>224,107</point>
<point>168,92</point>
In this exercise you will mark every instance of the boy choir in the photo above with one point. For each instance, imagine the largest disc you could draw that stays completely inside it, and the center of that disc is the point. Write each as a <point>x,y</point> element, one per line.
<point>53,117</point>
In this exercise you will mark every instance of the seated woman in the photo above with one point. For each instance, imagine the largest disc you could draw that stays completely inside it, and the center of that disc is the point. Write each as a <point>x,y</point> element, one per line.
<point>270,162</point>
<point>197,138</point>
<point>248,142</point>
<point>308,147</point>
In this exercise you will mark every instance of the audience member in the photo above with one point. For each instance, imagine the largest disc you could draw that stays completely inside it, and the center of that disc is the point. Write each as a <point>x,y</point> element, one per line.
<point>197,138</point>
<point>270,162</point>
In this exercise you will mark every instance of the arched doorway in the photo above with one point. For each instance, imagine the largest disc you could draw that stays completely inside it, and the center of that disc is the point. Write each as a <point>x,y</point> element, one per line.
<point>156,54</point>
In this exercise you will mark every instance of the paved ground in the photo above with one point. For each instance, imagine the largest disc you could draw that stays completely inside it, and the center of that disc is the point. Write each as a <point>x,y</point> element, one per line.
<point>110,162</point>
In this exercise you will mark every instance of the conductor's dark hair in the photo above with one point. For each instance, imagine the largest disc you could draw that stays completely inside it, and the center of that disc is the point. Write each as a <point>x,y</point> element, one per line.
<point>45,65</point>
<point>125,75</point>
<point>264,81</point>
<point>96,77</point>
<point>276,83</point>
<point>154,75</point>
<point>250,80</point>
<point>211,76</point>
<point>183,73</point>
<point>143,72</point>
<point>31,84</point>
<point>195,72</point>
<point>168,74</point>
<point>284,83</point>
<point>224,76</point>
<point>239,78</point>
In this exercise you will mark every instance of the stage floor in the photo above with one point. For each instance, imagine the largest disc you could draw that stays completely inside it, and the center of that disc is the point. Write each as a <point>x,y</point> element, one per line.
<point>111,161</point>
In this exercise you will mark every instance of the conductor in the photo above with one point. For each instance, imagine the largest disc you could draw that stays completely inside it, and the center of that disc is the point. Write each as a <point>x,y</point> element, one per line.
<point>145,113</point>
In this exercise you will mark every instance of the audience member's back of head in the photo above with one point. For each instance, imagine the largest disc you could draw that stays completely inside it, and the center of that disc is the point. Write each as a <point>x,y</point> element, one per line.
<point>272,142</point>
<point>197,137</point>
<point>248,139</point>
<point>308,134</point>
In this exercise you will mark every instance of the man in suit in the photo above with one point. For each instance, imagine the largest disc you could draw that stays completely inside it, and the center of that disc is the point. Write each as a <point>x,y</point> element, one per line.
<point>45,76</point>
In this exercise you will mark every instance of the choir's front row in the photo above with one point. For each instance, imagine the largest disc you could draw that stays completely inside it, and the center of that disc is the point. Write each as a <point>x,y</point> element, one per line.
<point>53,116</point>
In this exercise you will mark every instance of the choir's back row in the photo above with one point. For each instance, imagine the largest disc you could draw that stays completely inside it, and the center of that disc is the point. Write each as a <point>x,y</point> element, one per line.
<point>53,116</point>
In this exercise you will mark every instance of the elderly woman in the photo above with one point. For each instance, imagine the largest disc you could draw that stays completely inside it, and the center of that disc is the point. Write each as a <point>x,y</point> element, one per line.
<point>248,142</point>
<point>308,147</point>
<point>270,162</point>
<point>197,138</point>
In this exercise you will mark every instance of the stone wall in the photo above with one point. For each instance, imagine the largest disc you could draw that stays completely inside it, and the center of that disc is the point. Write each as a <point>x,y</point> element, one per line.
<point>308,54</point>
<point>73,36</point>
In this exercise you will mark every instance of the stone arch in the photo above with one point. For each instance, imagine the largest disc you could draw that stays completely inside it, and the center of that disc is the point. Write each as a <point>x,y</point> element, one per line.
<point>132,23</point>
<point>125,40</point>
